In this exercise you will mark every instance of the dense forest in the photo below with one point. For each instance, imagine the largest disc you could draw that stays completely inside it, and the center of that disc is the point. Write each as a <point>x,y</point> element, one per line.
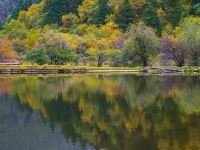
<point>102,33</point>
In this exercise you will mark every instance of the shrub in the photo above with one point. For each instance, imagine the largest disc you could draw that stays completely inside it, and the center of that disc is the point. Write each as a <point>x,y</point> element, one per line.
<point>38,56</point>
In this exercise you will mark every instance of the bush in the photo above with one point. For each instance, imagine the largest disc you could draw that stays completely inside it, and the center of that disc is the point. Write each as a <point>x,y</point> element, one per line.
<point>57,49</point>
<point>38,56</point>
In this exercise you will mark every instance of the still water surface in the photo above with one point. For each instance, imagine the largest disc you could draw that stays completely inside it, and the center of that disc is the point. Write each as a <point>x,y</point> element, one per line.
<point>92,111</point>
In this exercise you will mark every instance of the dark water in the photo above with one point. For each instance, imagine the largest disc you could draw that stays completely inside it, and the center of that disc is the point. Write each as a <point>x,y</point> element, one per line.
<point>111,112</point>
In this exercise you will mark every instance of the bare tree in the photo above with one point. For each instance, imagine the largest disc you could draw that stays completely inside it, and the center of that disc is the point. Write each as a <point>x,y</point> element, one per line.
<point>174,49</point>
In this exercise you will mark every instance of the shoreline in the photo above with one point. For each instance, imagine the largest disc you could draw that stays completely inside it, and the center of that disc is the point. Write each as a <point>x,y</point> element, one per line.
<point>47,69</point>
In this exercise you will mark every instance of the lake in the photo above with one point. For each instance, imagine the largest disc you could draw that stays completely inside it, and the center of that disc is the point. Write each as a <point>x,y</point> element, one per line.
<point>100,111</point>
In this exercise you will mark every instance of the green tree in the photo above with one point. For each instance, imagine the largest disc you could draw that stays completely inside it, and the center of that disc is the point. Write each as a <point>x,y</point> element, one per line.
<point>22,5</point>
<point>102,12</point>
<point>57,49</point>
<point>173,11</point>
<point>142,42</point>
<point>14,29</point>
<point>38,56</point>
<point>73,6</point>
<point>60,57</point>
<point>189,33</point>
<point>126,15</point>
<point>128,56</point>
<point>150,17</point>
<point>196,9</point>
<point>54,10</point>
<point>1,25</point>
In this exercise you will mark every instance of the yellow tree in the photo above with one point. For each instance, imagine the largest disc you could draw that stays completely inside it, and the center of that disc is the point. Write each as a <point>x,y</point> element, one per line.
<point>69,20</point>
<point>6,50</point>
<point>87,10</point>
<point>32,37</point>
<point>33,17</point>
<point>105,44</point>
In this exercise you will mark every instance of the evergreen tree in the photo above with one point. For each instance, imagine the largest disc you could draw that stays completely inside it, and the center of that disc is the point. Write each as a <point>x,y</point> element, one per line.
<point>196,9</point>
<point>1,25</point>
<point>126,15</point>
<point>16,11</point>
<point>73,6</point>
<point>102,12</point>
<point>23,5</point>
<point>55,9</point>
<point>173,11</point>
<point>150,17</point>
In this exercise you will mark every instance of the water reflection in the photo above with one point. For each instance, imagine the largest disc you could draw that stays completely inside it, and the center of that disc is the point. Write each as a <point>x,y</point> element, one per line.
<point>114,112</point>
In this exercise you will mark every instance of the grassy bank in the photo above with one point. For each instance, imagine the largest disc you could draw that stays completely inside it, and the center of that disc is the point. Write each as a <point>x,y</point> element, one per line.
<point>23,69</point>
<point>62,67</point>
<point>27,69</point>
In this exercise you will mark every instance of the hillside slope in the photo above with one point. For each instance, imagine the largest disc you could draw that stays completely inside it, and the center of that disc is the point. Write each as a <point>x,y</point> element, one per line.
<point>6,7</point>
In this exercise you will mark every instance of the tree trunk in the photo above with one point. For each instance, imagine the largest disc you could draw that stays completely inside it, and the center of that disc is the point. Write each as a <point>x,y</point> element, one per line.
<point>100,60</point>
<point>99,64</point>
<point>180,62</point>
<point>144,61</point>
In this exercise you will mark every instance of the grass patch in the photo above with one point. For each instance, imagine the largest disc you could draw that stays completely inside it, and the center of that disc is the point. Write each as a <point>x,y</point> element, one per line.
<point>61,67</point>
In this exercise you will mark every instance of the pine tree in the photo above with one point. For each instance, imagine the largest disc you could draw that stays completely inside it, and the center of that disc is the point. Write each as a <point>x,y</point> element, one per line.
<point>55,9</point>
<point>126,15</point>
<point>16,11</point>
<point>23,5</point>
<point>196,9</point>
<point>1,25</point>
<point>102,12</point>
<point>150,17</point>
<point>173,11</point>
<point>73,6</point>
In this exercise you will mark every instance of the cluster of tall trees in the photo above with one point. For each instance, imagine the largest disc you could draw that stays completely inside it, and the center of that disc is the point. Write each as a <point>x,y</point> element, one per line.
<point>105,32</point>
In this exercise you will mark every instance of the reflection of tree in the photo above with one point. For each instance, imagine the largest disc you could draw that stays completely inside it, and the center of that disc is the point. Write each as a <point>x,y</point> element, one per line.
<point>5,85</point>
<point>118,112</point>
<point>165,117</point>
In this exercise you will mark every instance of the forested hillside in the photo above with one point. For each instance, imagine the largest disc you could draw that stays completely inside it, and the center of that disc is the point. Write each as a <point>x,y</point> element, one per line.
<point>6,6</point>
<point>104,33</point>
<point>9,7</point>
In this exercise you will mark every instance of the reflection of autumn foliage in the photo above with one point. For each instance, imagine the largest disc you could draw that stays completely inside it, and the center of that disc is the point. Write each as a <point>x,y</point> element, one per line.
<point>5,85</point>
<point>185,91</point>
<point>6,50</point>
<point>118,112</point>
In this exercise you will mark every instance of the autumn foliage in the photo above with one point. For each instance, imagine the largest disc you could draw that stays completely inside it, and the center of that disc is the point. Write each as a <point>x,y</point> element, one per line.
<point>105,33</point>
<point>6,51</point>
